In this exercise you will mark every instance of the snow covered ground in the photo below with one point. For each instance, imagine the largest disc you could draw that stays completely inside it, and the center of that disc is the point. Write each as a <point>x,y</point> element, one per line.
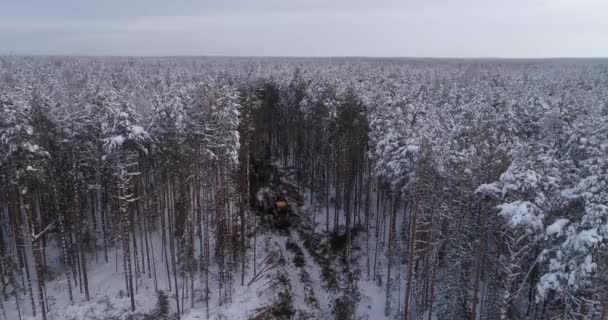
<point>109,297</point>
<point>309,292</point>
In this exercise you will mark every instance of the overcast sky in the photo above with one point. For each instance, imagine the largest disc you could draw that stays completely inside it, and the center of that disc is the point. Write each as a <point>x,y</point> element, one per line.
<point>410,28</point>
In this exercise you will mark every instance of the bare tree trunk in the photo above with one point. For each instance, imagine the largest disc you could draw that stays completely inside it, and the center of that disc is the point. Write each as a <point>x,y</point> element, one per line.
<point>172,246</point>
<point>41,253</point>
<point>377,229</point>
<point>337,204</point>
<point>3,271</point>
<point>2,306</point>
<point>85,280</point>
<point>327,183</point>
<point>156,216</point>
<point>164,235</point>
<point>41,279</point>
<point>367,217</point>
<point>17,303</point>
<point>124,197</point>
<point>206,255</point>
<point>63,241</point>
<point>30,225</point>
<point>244,206</point>
<point>479,260</point>
<point>391,255</point>
<point>103,228</point>
<point>99,208</point>
<point>199,202</point>
<point>432,294</point>
<point>139,211</point>
<point>348,217</point>
<point>411,260</point>
<point>135,251</point>
<point>26,230</point>
<point>145,229</point>
<point>84,284</point>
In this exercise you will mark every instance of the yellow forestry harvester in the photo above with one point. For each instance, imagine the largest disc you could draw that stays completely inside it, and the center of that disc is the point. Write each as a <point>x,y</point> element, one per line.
<point>280,205</point>
<point>281,212</point>
<point>279,199</point>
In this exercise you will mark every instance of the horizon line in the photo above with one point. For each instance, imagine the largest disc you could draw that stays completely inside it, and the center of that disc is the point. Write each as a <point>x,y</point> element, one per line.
<point>304,56</point>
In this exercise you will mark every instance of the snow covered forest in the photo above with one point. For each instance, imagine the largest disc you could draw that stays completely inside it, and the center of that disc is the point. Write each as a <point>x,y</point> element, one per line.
<point>133,188</point>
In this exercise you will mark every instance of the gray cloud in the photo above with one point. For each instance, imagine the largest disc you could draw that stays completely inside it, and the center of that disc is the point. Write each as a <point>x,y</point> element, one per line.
<point>439,28</point>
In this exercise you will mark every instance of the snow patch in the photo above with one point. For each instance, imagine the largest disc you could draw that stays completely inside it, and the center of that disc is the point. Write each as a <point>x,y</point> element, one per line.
<point>557,227</point>
<point>547,283</point>
<point>587,238</point>
<point>114,142</point>
<point>413,148</point>
<point>588,266</point>
<point>137,130</point>
<point>522,213</point>
<point>488,189</point>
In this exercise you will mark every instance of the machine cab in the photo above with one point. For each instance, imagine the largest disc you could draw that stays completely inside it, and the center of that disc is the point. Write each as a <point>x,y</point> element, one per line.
<point>281,204</point>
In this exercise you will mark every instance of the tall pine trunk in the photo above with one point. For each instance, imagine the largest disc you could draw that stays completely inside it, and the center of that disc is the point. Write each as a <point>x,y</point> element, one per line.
<point>26,230</point>
<point>479,260</point>
<point>62,235</point>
